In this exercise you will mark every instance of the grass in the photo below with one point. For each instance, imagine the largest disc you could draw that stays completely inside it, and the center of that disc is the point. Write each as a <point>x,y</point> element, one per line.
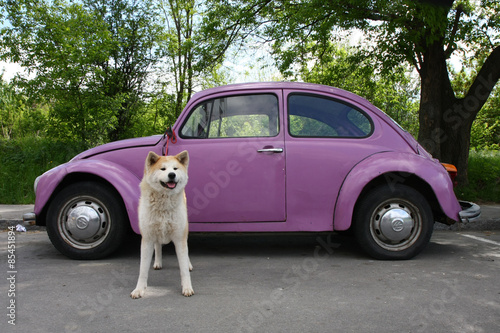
<point>21,161</point>
<point>484,178</point>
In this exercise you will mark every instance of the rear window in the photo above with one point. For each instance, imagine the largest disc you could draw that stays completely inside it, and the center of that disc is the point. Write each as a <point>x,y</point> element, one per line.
<point>319,116</point>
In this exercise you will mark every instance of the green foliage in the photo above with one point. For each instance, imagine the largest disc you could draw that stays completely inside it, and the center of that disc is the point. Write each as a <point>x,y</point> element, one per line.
<point>224,24</point>
<point>484,178</point>
<point>345,68</point>
<point>92,62</point>
<point>190,53</point>
<point>158,113</point>
<point>179,16</point>
<point>17,118</point>
<point>485,131</point>
<point>89,58</point>
<point>22,160</point>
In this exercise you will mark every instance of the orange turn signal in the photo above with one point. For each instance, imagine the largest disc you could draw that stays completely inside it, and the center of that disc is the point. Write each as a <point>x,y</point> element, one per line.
<point>452,171</point>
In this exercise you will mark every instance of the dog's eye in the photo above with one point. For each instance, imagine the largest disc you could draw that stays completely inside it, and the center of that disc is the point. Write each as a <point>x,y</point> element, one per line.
<point>163,169</point>
<point>176,168</point>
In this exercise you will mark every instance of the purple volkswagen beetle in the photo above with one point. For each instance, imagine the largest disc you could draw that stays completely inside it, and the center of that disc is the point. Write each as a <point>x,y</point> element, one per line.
<point>264,157</point>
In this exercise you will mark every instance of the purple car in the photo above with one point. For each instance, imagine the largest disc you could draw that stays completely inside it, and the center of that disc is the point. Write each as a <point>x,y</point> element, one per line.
<point>264,157</point>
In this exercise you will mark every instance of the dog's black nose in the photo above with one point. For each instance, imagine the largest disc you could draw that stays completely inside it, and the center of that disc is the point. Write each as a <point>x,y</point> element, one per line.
<point>171,175</point>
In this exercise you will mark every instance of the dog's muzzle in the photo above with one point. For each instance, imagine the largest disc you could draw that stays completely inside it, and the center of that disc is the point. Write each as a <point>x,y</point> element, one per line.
<point>171,184</point>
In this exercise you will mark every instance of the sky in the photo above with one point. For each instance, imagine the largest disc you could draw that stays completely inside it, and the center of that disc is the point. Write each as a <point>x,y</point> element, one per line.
<point>9,70</point>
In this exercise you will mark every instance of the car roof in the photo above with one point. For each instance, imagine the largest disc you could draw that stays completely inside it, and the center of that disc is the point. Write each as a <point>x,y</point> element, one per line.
<point>275,85</point>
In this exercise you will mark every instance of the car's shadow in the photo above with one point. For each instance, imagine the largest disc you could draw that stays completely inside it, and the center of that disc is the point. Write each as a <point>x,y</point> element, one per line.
<point>257,244</point>
<point>341,245</point>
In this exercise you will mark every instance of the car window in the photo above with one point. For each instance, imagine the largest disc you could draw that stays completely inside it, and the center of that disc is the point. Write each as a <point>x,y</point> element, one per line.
<point>234,116</point>
<point>318,116</point>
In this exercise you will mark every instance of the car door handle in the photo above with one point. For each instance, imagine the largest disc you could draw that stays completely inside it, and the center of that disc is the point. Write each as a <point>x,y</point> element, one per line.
<point>270,150</point>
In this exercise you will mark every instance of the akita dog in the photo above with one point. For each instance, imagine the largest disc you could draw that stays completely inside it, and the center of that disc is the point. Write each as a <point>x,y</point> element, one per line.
<point>163,216</point>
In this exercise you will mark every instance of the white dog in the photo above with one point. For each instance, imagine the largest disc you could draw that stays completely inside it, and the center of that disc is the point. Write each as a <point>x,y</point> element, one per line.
<point>163,216</point>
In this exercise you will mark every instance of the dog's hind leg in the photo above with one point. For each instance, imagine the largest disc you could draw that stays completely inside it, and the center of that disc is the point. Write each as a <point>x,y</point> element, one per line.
<point>158,256</point>
<point>181,249</point>
<point>147,248</point>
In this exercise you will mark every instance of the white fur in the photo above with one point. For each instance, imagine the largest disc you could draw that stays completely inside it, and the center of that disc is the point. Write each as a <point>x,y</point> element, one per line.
<point>163,217</point>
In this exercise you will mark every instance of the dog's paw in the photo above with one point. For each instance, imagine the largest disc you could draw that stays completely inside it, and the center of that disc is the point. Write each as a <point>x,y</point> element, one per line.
<point>137,293</point>
<point>157,267</point>
<point>190,267</point>
<point>188,291</point>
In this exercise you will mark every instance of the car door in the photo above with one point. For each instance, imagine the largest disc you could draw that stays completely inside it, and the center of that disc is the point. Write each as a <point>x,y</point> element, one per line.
<point>237,158</point>
<point>326,136</point>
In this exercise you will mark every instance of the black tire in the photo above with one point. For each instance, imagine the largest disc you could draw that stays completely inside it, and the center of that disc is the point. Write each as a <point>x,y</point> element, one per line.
<point>86,220</point>
<point>393,222</point>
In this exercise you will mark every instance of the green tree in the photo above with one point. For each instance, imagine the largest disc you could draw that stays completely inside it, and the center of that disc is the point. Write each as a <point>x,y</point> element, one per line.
<point>179,16</point>
<point>89,59</point>
<point>17,117</point>
<point>189,61</point>
<point>342,67</point>
<point>422,33</point>
<point>485,132</point>
<point>136,37</point>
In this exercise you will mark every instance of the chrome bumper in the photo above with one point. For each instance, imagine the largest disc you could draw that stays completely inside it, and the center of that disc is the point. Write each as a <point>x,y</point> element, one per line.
<point>470,211</point>
<point>29,218</point>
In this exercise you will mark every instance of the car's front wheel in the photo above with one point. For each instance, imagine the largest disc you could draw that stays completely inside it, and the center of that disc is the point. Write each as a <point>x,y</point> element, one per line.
<point>86,220</point>
<point>393,222</point>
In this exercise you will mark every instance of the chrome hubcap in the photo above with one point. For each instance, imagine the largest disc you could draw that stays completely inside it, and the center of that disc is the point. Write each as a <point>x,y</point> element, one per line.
<point>84,222</point>
<point>396,225</point>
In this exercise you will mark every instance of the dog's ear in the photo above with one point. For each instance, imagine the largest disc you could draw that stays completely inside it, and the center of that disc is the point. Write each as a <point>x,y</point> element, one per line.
<point>150,160</point>
<point>183,158</point>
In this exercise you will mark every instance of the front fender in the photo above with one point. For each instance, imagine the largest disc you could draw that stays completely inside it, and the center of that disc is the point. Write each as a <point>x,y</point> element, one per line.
<point>125,183</point>
<point>388,163</point>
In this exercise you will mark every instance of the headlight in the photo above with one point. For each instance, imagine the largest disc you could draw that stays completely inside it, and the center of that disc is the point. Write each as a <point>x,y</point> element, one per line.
<point>36,182</point>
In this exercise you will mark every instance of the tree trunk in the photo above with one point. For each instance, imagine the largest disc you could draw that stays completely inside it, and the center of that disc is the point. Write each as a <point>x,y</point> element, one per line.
<point>436,95</point>
<point>445,121</point>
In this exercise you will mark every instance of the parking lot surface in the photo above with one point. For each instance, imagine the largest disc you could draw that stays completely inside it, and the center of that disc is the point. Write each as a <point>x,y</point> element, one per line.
<point>257,283</point>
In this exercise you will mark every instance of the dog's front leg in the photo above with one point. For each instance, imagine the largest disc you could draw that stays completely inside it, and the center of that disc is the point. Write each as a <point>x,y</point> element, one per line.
<point>158,256</point>
<point>181,249</point>
<point>147,248</point>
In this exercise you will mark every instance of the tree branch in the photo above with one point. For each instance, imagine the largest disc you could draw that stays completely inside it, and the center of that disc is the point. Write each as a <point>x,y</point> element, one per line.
<point>484,83</point>
<point>451,48</point>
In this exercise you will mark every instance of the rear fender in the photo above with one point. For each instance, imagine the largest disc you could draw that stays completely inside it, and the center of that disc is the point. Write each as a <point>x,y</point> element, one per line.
<point>124,182</point>
<point>388,164</point>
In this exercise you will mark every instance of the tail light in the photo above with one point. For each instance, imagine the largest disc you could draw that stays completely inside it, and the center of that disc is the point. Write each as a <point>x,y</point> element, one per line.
<point>452,171</point>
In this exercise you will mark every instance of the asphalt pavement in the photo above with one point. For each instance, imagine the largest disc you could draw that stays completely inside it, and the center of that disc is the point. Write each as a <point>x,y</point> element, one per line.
<point>254,283</point>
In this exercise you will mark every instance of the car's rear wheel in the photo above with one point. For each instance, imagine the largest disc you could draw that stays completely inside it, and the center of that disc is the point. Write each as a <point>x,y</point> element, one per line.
<point>86,220</point>
<point>393,222</point>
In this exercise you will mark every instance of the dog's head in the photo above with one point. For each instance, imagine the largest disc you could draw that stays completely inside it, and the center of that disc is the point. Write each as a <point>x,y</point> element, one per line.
<point>167,173</point>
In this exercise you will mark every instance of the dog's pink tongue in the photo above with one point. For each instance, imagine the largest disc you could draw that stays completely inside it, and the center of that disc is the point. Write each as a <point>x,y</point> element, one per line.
<point>171,185</point>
